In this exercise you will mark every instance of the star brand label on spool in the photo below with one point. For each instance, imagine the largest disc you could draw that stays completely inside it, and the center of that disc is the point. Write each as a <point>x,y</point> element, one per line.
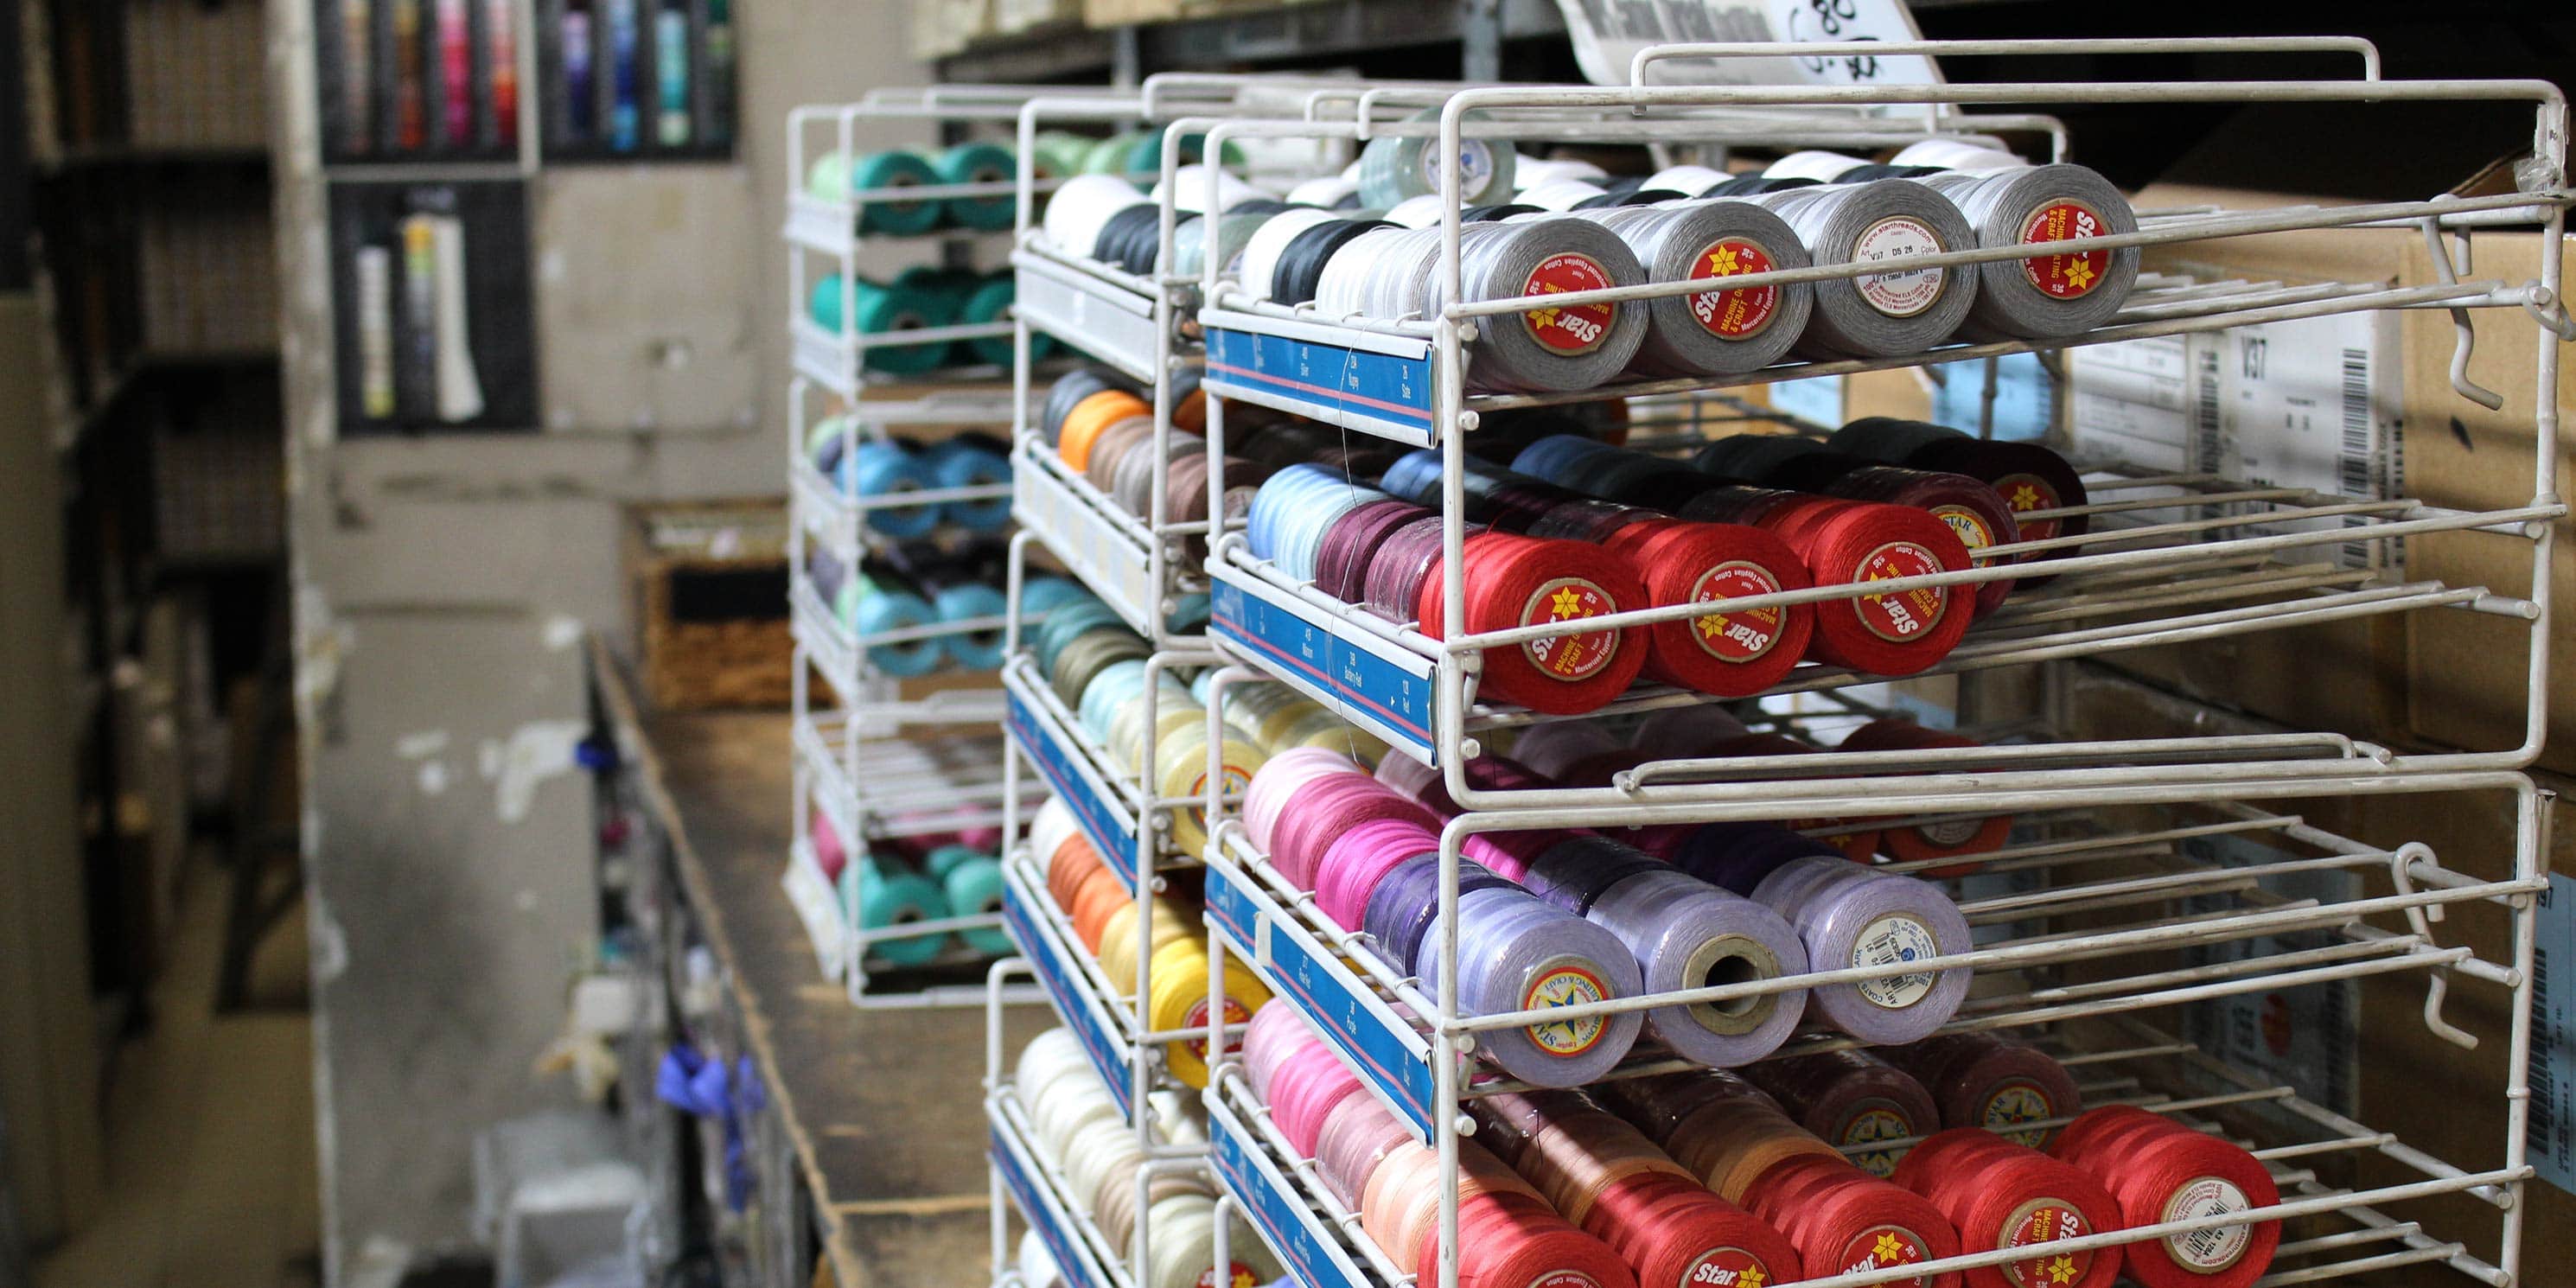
<point>1196,1018</point>
<point>1734,315</point>
<point>1971,527</point>
<point>1236,780</point>
<point>1570,657</point>
<point>1238,1275</point>
<point>2064,277</point>
<point>2041,1221</point>
<point>1885,942</point>
<point>2028,492</point>
<point>1881,1246</point>
<point>1475,168</point>
<point>1565,986</point>
<point>1900,294</point>
<point>1564,1279</point>
<point>1870,1122</point>
<point>2012,1104</point>
<point>1728,1268</point>
<point>1580,329</point>
<point>1742,635</point>
<point>2218,1247</point>
<point>1907,614</point>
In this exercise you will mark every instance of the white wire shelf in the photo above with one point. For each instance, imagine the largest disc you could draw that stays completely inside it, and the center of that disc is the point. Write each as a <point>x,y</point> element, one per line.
<point>842,657</point>
<point>1111,551</point>
<point>1325,1246</point>
<point>1115,807</point>
<point>838,361</point>
<point>839,520</point>
<point>1107,1022</point>
<point>2064,908</point>
<point>1042,1195</point>
<point>2194,557</point>
<point>831,226</point>
<point>1104,311</point>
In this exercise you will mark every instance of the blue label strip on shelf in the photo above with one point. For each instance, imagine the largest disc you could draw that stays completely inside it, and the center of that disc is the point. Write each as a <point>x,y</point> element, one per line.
<point>1387,692</point>
<point>1373,1041</point>
<point>1287,1222</point>
<point>1062,981</point>
<point>1115,841</point>
<point>1383,393</point>
<point>1042,1215</point>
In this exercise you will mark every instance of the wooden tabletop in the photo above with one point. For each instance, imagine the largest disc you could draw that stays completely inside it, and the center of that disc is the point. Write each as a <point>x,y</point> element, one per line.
<point>884,1107</point>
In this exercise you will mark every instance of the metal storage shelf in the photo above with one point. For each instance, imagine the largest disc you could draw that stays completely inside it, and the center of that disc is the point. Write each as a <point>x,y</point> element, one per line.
<point>1114,553</point>
<point>1383,1024</point>
<point>1037,1190</point>
<point>1325,1247</point>
<point>1104,311</point>
<point>1116,808</point>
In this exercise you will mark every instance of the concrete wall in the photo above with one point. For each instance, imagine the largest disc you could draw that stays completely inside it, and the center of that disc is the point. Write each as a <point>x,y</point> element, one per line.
<point>440,577</point>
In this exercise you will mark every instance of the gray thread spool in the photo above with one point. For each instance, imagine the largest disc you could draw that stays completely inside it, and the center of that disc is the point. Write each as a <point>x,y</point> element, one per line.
<point>1879,315</point>
<point>1710,333</point>
<point>1392,169</point>
<point>2046,297</point>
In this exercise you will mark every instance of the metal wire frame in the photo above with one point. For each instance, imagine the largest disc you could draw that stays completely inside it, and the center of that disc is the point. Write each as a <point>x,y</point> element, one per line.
<point>1456,655</point>
<point>1122,1267</point>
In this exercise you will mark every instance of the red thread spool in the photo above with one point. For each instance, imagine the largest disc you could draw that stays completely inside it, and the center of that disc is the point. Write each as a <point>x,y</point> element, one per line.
<point>1734,654</point>
<point>1324,808</point>
<point>1981,1080</point>
<point>1515,581</point>
<point>1850,1098</point>
<point>1976,513</point>
<point>2161,1171</point>
<point>1511,1241</point>
<point>1843,1219</point>
<point>1943,838</point>
<point>1845,542</point>
<point>1858,845</point>
<point>2003,1195</point>
<point>1673,1233</point>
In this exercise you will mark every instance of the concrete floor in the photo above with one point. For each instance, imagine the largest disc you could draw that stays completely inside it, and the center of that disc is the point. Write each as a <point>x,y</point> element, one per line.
<point>210,1159</point>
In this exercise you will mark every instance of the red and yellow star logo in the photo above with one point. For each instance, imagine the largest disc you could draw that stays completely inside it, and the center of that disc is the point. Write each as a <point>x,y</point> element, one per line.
<point>2025,497</point>
<point>1566,603</point>
<point>2080,274</point>
<point>1723,263</point>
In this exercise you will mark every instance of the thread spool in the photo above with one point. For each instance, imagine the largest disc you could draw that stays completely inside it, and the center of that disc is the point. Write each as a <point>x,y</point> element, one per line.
<point>1117,952</point>
<point>1729,654</point>
<point>1325,807</point>
<point>1037,1268</point>
<point>2002,1195</point>
<point>1686,934</point>
<point>1184,1243</point>
<point>1851,1098</point>
<point>1071,388</point>
<point>2045,296</point>
<point>1518,952</point>
<point>1324,191</point>
<point>1516,581</point>
<point>838,176</point>
<point>1354,862</point>
<point>1080,209</point>
<point>1849,916</point>
<point>1530,171</point>
<point>881,469</point>
<point>1819,166</point>
<point>1089,419</point>
<point>2028,476</point>
<point>971,460</point>
<point>1066,624</point>
<point>1406,901</point>
<point>1551,348</point>
<point>2160,1171</point>
<point>1188,189</point>
<point>1179,974</point>
<point>1713,332</point>
<point>1268,1039</point>
<point>1278,781</point>
<point>989,303</point>
<point>1261,252</point>
<point>1846,542</point>
<point>1358,1134</point>
<point>880,310</point>
<point>874,609</point>
<point>978,163</point>
<point>1956,154</point>
<point>1980,1080</point>
<point>1843,1220</point>
<point>1181,771</point>
<point>1942,838</point>
<point>1298,275</point>
<point>890,898</point>
<point>1393,169</point>
<point>972,885</point>
<point>1883,314</point>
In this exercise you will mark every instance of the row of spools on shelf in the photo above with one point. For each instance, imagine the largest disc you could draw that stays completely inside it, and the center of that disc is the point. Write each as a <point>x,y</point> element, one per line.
<point>1810,1167</point>
<point>882,175</point>
<point>919,299</point>
<point>1565,524</point>
<point>924,587</point>
<point>1366,245</point>
<point>898,881</point>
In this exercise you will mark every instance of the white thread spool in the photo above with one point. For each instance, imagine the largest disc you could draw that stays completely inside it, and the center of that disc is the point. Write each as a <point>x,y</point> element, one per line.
<point>1079,209</point>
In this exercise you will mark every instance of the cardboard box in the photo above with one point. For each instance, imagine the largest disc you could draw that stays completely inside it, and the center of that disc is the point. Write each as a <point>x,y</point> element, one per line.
<point>2444,676</point>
